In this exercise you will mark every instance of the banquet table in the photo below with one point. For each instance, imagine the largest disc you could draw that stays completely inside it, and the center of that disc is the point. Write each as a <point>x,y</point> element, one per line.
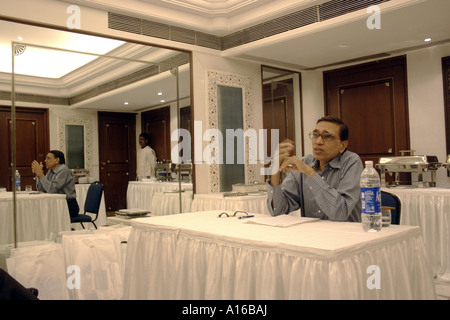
<point>82,190</point>
<point>98,254</point>
<point>165,203</point>
<point>429,208</point>
<point>201,256</point>
<point>38,215</point>
<point>255,203</point>
<point>140,194</point>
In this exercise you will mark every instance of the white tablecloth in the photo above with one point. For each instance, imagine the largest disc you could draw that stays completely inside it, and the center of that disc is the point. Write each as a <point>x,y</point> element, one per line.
<point>140,194</point>
<point>83,265</point>
<point>82,190</point>
<point>169,203</point>
<point>38,215</point>
<point>201,256</point>
<point>429,208</point>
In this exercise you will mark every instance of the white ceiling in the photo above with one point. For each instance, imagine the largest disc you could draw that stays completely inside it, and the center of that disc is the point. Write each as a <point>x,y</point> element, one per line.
<point>76,73</point>
<point>404,26</point>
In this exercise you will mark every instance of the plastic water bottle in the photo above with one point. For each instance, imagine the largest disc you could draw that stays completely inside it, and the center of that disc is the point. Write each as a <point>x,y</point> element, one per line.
<point>370,199</point>
<point>17,180</point>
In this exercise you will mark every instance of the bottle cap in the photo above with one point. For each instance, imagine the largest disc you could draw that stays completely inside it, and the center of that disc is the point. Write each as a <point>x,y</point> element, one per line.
<point>369,162</point>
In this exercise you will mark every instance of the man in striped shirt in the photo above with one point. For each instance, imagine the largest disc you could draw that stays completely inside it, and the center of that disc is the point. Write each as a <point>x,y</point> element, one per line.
<point>325,184</point>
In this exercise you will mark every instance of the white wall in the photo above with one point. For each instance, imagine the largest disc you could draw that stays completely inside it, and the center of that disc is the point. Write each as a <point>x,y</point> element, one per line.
<point>426,104</point>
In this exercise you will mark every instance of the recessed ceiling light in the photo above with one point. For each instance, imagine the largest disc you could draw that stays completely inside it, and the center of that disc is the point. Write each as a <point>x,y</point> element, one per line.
<point>427,40</point>
<point>20,38</point>
<point>125,103</point>
<point>163,100</point>
<point>159,93</point>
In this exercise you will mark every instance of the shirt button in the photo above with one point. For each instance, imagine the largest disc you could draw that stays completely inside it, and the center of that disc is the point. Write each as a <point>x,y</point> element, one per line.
<point>318,211</point>
<point>323,178</point>
<point>310,188</point>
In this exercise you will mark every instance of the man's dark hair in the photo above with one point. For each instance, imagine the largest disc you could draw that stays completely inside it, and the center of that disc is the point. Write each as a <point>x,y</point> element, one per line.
<point>342,125</point>
<point>60,155</point>
<point>145,136</point>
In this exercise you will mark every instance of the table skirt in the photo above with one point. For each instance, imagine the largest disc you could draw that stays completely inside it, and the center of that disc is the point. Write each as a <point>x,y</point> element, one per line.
<point>429,208</point>
<point>37,217</point>
<point>169,203</point>
<point>140,194</point>
<point>97,256</point>
<point>169,263</point>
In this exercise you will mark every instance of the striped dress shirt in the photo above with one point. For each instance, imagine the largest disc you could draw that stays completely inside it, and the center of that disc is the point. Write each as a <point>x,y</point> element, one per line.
<point>333,194</point>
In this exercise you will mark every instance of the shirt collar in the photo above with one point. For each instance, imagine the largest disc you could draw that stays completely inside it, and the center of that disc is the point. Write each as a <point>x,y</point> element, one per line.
<point>58,168</point>
<point>334,163</point>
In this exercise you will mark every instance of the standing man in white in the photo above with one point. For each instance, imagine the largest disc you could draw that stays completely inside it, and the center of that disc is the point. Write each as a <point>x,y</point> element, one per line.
<point>146,159</point>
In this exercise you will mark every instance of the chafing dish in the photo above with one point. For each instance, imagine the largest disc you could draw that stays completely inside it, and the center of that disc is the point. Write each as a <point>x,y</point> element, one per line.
<point>250,187</point>
<point>164,171</point>
<point>79,173</point>
<point>413,164</point>
<point>447,164</point>
<point>185,170</point>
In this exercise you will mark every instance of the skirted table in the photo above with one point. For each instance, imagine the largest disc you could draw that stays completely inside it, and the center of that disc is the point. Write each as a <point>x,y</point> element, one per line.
<point>201,256</point>
<point>140,194</point>
<point>429,208</point>
<point>38,215</point>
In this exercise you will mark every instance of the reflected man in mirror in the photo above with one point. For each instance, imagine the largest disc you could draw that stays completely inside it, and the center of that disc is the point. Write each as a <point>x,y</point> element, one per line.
<point>57,180</point>
<point>146,159</point>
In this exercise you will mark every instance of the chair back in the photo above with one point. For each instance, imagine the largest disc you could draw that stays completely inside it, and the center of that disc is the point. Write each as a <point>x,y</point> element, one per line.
<point>391,200</point>
<point>93,198</point>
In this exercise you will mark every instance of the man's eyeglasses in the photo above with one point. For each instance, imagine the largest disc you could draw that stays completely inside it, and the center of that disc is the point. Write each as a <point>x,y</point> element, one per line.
<point>326,136</point>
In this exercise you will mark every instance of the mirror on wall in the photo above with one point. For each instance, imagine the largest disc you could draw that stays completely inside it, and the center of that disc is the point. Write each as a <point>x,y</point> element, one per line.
<point>68,78</point>
<point>282,109</point>
<point>75,151</point>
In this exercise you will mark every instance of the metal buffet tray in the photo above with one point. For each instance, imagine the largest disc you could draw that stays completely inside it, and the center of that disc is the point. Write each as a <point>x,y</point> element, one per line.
<point>447,164</point>
<point>413,164</point>
<point>250,187</point>
<point>164,171</point>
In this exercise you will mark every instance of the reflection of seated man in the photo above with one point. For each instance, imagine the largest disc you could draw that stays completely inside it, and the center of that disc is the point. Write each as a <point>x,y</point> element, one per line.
<point>57,180</point>
<point>325,184</point>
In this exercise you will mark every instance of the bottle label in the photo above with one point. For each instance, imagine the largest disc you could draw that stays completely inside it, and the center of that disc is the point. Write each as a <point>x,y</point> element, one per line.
<point>370,200</point>
<point>17,182</point>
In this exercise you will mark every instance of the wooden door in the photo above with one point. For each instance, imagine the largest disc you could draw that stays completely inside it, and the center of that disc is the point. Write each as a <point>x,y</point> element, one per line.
<point>32,142</point>
<point>117,155</point>
<point>368,109</point>
<point>372,100</point>
<point>156,123</point>
<point>278,111</point>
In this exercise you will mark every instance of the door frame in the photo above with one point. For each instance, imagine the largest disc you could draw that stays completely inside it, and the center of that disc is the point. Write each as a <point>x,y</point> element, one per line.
<point>26,177</point>
<point>104,149</point>
<point>391,68</point>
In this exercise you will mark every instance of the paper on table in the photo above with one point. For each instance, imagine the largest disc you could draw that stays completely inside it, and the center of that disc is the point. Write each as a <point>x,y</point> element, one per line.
<point>132,212</point>
<point>280,221</point>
